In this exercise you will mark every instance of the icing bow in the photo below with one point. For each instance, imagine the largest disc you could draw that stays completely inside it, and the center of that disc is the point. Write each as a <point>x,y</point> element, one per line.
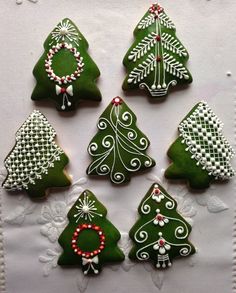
<point>90,262</point>
<point>65,92</point>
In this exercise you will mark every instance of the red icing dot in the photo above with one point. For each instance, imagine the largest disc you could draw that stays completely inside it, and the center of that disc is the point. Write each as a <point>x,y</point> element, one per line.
<point>157,191</point>
<point>159,217</point>
<point>117,101</point>
<point>158,38</point>
<point>158,58</point>
<point>161,242</point>
<point>88,254</point>
<point>63,90</point>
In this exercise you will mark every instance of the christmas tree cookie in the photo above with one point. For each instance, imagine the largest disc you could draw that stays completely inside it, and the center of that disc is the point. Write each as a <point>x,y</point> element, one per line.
<point>201,153</point>
<point>119,147</point>
<point>157,58</point>
<point>66,73</point>
<point>89,240</point>
<point>36,163</point>
<point>160,234</point>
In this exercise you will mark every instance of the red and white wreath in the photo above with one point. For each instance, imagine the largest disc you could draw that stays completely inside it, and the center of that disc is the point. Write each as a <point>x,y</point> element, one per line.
<point>68,78</point>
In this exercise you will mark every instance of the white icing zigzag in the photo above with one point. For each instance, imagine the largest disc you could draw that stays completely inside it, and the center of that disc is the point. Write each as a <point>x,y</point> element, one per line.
<point>202,133</point>
<point>34,153</point>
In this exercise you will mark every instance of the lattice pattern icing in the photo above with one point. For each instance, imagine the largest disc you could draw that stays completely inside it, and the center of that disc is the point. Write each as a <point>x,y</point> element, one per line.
<point>202,133</point>
<point>34,153</point>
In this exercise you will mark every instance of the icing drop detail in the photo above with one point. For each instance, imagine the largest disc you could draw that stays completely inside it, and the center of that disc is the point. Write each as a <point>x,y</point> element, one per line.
<point>86,209</point>
<point>123,138</point>
<point>65,31</point>
<point>160,234</point>
<point>159,57</point>
<point>202,134</point>
<point>68,78</point>
<point>89,259</point>
<point>34,153</point>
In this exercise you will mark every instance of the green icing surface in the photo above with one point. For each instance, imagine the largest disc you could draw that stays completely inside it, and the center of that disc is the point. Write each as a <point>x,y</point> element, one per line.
<point>36,163</point>
<point>119,147</point>
<point>88,240</point>
<point>55,177</point>
<point>184,167</point>
<point>144,70</point>
<point>64,62</point>
<point>145,234</point>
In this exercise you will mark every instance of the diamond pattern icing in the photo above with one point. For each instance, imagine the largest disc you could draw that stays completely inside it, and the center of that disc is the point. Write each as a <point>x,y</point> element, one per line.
<point>34,152</point>
<point>202,133</point>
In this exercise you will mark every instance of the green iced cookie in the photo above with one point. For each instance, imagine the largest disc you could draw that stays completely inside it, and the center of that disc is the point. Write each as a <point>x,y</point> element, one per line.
<point>160,234</point>
<point>90,240</point>
<point>66,73</point>
<point>157,58</point>
<point>119,147</point>
<point>201,153</point>
<point>36,163</point>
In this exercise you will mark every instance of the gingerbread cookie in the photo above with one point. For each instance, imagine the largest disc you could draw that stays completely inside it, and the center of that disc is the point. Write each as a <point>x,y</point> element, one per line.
<point>66,73</point>
<point>119,147</point>
<point>156,61</point>
<point>160,234</point>
<point>89,240</point>
<point>201,153</point>
<point>36,163</point>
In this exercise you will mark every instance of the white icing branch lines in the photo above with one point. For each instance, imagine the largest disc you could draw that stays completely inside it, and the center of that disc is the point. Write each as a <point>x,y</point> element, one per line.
<point>174,67</point>
<point>143,47</point>
<point>143,69</point>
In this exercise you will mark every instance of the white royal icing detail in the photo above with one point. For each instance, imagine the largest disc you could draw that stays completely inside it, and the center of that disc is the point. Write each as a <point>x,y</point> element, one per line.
<point>86,209</point>
<point>166,21</point>
<point>115,142</point>
<point>143,69</point>
<point>162,246</point>
<point>146,22</point>
<point>143,47</point>
<point>49,61</point>
<point>158,61</point>
<point>90,263</point>
<point>174,67</point>
<point>146,209</point>
<point>201,132</point>
<point>172,44</point>
<point>34,153</point>
<point>65,31</point>
<point>65,92</point>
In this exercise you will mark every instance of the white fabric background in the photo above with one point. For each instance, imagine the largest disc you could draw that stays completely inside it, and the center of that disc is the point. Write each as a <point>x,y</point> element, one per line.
<point>207,29</point>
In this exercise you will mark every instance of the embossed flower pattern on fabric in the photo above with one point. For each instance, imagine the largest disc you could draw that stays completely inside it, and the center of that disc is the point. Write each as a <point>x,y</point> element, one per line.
<point>53,218</point>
